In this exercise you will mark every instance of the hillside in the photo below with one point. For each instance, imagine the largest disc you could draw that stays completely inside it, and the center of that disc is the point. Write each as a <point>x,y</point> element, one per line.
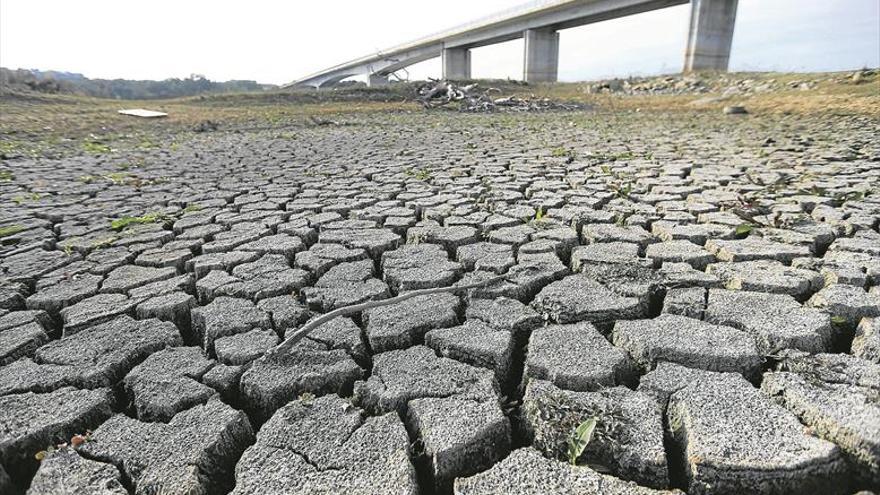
<point>57,82</point>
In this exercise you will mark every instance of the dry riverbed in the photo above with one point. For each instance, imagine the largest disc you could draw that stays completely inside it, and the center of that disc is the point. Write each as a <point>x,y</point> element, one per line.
<point>706,286</point>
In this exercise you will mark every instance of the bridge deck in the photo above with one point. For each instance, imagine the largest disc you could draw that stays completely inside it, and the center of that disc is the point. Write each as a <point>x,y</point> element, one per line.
<point>501,26</point>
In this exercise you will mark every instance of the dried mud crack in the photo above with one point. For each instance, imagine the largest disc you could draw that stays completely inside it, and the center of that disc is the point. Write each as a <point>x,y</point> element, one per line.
<point>706,286</point>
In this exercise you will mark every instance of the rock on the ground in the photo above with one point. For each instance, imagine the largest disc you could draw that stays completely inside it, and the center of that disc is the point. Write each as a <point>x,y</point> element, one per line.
<point>286,312</point>
<point>477,344</point>
<point>459,437</point>
<point>576,357</point>
<point>846,301</point>
<point>32,422</point>
<point>775,321</point>
<point>755,248</point>
<point>487,256</point>
<point>346,284</point>
<point>128,277</point>
<point>679,251</point>
<point>195,452</point>
<point>65,293</point>
<point>226,316</point>
<point>685,301</point>
<point>768,276</point>
<point>526,472</point>
<point>736,440</point>
<point>628,438</point>
<point>688,342</point>
<point>64,472</point>
<point>97,357</point>
<point>242,348</point>
<point>309,367</point>
<point>326,445</point>
<point>503,313</point>
<point>322,257</point>
<point>841,413</point>
<point>403,375</point>
<point>94,310</point>
<point>418,266</point>
<point>866,343</point>
<point>832,368</point>
<point>269,276</point>
<point>404,324</point>
<point>21,333</point>
<point>579,298</point>
<point>168,382</point>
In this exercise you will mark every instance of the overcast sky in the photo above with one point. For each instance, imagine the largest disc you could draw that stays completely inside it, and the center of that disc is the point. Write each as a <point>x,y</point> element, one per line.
<point>280,41</point>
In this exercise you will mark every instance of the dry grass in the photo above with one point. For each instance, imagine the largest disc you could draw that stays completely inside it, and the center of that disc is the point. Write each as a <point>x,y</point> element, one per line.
<point>834,93</point>
<point>57,124</point>
<point>35,126</point>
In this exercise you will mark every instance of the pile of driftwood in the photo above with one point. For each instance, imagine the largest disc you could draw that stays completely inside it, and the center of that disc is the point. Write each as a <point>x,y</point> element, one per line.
<point>470,98</point>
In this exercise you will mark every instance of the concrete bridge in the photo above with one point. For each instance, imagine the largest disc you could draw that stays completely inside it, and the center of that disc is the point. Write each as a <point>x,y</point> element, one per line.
<point>539,23</point>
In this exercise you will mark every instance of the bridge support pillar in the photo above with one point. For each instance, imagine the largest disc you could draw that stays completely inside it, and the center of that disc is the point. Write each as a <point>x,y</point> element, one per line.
<point>375,80</point>
<point>541,55</point>
<point>710,35</point>
<point>456,63</point>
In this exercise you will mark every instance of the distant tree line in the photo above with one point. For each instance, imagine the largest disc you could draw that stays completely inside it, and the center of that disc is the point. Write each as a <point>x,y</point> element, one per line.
<point>123,89</point>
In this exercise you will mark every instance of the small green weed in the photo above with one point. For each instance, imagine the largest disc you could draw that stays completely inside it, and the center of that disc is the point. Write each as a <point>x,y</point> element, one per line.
<point>6,176</point>
<point>621,190</point>
<point>422,174</point>
<point>307,398</point>
<point>103,243</point>
<point>125,222</point>
<point>539,214</point>
<point>744,229</point>
<point>839,321</point>
<point>117,177</point>
<point>147,143</point>
<point>10,230</point>
<point>95,147</point>
<point>580,438</point>
<point>24,198</point>
<point>563,152</point>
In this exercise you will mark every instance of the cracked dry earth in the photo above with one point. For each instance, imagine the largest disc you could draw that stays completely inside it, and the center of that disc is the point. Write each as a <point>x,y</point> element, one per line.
<point>707,287</point>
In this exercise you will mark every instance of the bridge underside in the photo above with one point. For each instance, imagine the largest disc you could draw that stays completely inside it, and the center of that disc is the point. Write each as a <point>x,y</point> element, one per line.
<point>379,68</point>
<point>708,47</point>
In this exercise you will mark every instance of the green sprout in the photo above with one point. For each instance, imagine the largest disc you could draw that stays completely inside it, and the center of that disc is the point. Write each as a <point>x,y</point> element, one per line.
<point>744,229</point>
<point>117,177</point>
<point>421,174</point>
<point>307,398</point>
<point>24,198</point>
<point>125,222</point>
<point>580,438</point>
<point>95,147</point>
<point>561,152</point>
<point>103,243</point>
<point>10,230</point>
<point>839,321</point>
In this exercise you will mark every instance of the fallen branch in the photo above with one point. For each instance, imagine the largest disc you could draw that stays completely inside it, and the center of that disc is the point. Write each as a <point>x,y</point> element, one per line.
<point>320,122</point>
<point>436,94</point>
<point>303,332</point>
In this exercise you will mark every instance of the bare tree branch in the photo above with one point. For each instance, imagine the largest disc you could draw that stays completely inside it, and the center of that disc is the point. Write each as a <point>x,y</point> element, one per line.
<point>303,332</point>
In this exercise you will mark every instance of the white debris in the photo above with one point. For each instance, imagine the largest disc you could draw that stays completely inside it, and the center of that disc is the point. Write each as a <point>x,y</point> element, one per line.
<point>140,112</point>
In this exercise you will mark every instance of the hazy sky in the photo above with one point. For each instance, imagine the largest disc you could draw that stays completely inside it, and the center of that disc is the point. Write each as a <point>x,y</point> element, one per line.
<point>280,41</point>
